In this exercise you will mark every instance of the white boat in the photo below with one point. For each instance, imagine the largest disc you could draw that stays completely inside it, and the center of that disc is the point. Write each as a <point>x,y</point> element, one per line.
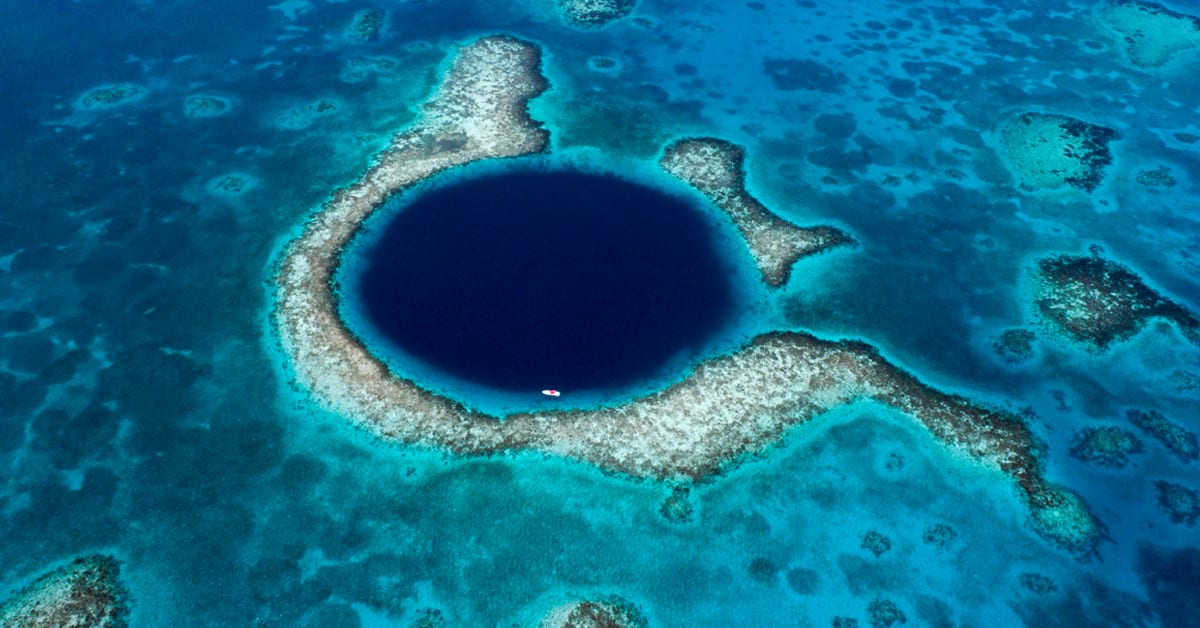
<point>550,392</point>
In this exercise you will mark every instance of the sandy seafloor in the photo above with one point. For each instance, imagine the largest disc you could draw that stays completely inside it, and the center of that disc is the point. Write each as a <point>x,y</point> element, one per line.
<point>145,411</point>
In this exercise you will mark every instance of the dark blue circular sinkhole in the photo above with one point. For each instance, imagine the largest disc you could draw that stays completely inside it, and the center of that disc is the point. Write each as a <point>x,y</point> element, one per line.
<point>562,279</point>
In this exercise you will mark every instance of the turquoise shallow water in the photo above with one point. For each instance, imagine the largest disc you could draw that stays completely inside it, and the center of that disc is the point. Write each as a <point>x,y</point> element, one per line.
<point>145,412</point>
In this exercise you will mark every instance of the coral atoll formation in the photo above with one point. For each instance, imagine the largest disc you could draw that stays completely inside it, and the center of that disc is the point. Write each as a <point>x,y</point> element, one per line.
<point>1050,151</point>
<point>1097,301</point>
<point>87,593</point>
<point>726,408</point>
<point>606,612</point>
<point>589,14</point>
<point>715,168</point>
<point>1153,34</point>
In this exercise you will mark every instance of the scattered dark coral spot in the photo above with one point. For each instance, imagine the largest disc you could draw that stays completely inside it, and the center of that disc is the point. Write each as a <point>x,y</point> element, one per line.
<point>602,63</point>
<point>763,570</point>
<point>884,613</point>
<point>803,581</point>
<point>794,74</point>
<point>677,508</point>
<point>876,543</point>
<point>1015,345</point>
<point>939,535</point>
<point>1107,446</point>
<point>1181,503</point>
<point>1159,177</point>
<point>1178,440</point>
<point>1037,583</point>
<point>835,126</point>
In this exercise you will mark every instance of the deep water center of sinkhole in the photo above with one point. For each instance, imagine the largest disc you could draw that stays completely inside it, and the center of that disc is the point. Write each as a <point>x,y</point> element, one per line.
<point>533,279</point>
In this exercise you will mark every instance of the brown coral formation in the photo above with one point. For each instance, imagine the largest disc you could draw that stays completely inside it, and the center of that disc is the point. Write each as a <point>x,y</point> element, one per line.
<point>1097,301</point>
<point>84,594</point>
<point>607,612</point>
<point>715,168</point>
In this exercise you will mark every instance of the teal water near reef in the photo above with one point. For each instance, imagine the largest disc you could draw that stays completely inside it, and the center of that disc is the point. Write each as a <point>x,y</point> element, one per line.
<point>144,411</point>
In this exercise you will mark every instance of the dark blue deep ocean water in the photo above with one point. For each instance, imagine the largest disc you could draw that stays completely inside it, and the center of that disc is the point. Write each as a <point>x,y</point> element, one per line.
<point>155,156</point>
<point>560,280</point>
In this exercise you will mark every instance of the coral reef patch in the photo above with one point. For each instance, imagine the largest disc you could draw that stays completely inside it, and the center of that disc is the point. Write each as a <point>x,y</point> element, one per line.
<point>1153,34</point>
<point>1037,583</point>
<point>716,168</point>
<point>205,106</point>
<point>110,96</point>
<point>1097,301</point>
<point>1050,151</point>
<point>365,25</point>
<point>87,593</point>
<point>1181,503</point>
<point>1014,345</point>
<point>876,543</point>
<point>1178,440</point>
<point>939,535</point>
<point>605,612</point>
<point>592,14</point>
<point>883,612</point>
<point>1107,446</point>
<point>1159,177</point>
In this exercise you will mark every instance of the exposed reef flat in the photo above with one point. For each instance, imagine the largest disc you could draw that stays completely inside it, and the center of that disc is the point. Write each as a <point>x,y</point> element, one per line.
<point>589,14</point>
<point>1050,151</point>
<point>86,593</point>
<point>716,168</point>
<point>607,612</point>
<point>1097,301</point>
<point>728,407</point>
<point>1153,34</point>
